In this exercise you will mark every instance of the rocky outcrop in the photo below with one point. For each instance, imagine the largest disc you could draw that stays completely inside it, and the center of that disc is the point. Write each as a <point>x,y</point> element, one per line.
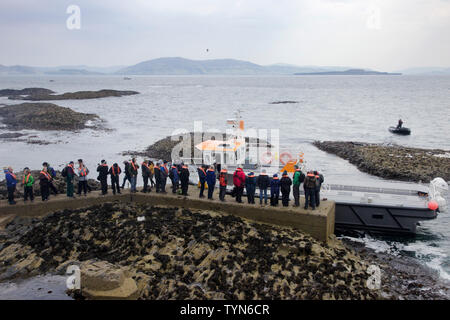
<point>44,96</point>
<point>392,161</point>
<point>180,254</point>
<point>26,91</point>
<point>59,182</point>
<point>162,149</point>
<point>44,116</point>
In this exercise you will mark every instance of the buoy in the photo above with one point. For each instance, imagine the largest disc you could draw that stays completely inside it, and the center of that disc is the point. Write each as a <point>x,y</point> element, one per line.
<point>283,155</point>
<point>433,205</point>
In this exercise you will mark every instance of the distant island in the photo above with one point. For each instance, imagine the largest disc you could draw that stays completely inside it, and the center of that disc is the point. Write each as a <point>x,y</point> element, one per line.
<point>183,66</point>
<point>351,72</point>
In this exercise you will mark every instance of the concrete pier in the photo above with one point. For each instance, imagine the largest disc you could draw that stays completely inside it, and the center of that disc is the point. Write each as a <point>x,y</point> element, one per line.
<point>318,223</point>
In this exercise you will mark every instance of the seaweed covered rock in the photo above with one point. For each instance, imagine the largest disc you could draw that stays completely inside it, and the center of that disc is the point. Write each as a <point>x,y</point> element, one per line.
<point>59,182</point>
<point>45,95</point>
<point>392,161</point>
<point>180,254</point>
<point>44,116</point>
<point>26,91</point>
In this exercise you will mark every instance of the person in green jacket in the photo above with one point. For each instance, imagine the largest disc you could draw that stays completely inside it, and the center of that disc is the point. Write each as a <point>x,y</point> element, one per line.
<point>27,182</point>
<point>299,177</point>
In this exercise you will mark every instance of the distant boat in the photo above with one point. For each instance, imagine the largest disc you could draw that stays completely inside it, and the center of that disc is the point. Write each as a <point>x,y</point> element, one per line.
<point>126,78</point>
<point>403,131</point>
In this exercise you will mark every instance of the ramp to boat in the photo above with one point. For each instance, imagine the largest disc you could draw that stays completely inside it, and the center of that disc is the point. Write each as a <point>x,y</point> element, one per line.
<point>318,223</point>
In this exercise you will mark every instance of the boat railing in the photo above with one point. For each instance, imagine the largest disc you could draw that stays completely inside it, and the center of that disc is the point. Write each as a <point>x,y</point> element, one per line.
<point>368,190</point>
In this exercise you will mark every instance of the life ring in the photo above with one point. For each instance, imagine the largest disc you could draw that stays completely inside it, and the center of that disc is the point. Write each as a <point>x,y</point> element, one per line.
<point>284,154</point>
<point>266,157</point>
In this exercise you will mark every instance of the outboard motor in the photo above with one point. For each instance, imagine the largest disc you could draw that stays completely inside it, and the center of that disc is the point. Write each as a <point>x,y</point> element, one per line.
<point>438,188</point>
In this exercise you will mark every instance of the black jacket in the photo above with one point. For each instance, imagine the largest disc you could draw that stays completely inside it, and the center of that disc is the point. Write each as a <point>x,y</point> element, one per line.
<point>102,172</point>
<point>285,184</point>
<point>184,175</point>
<point>263,181</point>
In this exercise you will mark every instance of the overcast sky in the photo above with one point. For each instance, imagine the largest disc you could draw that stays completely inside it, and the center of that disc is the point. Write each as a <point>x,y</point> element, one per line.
<point>385,35</point>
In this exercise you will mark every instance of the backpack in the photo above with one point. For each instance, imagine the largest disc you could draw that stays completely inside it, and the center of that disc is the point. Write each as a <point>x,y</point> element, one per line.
<point>64,172</point>
<point>310,182</point>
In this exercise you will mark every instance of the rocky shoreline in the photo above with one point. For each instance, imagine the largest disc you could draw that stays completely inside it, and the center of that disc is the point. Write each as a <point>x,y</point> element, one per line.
<point>59,182</point>
<point>42,94</point>
<point>45,116</point>
<point>392,161</point>
<point>138,251</point>
<point>182,254</point>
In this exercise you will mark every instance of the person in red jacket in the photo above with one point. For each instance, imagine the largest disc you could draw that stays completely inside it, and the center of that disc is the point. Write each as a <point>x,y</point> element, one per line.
<point>223,184</point>
<point>239,183</point>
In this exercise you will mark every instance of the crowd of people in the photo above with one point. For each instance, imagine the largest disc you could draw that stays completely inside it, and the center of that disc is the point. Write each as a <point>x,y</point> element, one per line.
<point>156,175</point>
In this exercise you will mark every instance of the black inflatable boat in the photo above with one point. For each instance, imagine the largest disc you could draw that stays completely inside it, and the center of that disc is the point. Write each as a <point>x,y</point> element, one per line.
<point>402,130</point>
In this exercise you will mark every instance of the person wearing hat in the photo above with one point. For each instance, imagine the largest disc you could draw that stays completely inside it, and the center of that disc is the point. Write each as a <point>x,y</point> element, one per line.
<point>223,182</point>
<point>211,181</point>
<point>250,187</point>
<point>298,178</point>
<point>103,170</point>
<point>184,179</point>
<point>11,182</point>
<point>44,181</point>
<point>274,190</point>
<point>52,174</point>
<point>27,183</point>
<point>263,183</point>
<point>285,186</point>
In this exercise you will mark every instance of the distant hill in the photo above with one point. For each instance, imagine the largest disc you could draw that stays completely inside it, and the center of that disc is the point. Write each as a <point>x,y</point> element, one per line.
<point>182,66</point>
<point>16,70</point>
<point>352,72</point>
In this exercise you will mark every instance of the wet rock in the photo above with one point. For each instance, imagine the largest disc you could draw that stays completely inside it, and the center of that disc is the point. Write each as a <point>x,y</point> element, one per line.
<point>44,116</point>
<point>102,280</point>
<point>43,95</point>
<point>392,161</point>
<point>26,91</point>
<point>283,102</point>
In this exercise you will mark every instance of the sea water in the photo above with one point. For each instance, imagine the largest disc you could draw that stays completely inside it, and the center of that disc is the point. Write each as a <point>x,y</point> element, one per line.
<point>347,108</point>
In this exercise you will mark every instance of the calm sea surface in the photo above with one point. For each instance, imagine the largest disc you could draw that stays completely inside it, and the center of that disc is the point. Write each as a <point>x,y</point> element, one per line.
<point>357,108</point>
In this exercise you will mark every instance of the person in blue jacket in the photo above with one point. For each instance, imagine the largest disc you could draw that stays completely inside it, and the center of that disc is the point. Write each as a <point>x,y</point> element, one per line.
<point>250,187</point>
<point>11,182</point>
<point>202,179</point>
<point>174,177</point>
<point>274,190</point>
<point>211,181</point>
